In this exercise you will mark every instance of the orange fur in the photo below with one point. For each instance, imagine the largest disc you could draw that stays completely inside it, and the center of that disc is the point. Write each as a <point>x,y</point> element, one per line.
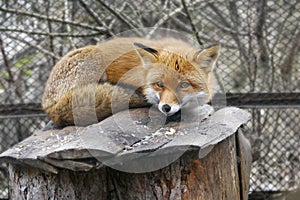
<point>83,81</point>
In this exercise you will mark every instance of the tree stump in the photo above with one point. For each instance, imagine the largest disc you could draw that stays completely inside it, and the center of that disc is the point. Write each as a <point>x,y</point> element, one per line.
<point>144,157</point>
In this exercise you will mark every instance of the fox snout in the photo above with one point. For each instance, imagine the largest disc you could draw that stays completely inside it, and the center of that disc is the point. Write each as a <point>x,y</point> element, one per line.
<point>166,101</point>
<point>169,103</point>
<point>168,109</point>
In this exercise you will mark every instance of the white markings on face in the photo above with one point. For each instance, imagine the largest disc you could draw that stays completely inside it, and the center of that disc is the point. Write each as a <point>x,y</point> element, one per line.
<point>190,101</point>
<point>174,109</point>
<point>152,96</point>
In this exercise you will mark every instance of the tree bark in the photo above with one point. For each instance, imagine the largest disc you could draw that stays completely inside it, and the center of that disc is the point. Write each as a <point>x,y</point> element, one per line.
<point>222,174</point>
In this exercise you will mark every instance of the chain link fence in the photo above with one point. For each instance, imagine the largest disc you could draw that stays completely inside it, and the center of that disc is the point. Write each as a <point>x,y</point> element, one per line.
<point>260,42</point>
<point>274,135</point>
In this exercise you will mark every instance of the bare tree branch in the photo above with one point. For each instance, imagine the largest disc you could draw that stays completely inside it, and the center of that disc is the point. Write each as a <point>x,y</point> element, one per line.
<point>5,29</point>
<point>35,46</point>
<point>233,33</point>
<point>287,63</point>
<point>225,29</point>
<point>164,19</point>
<point>259,30</point>
<point>194,29</point>
<point>5,59</point>
<point>121,9</point>
<point>51,38</point>
<point>234,16</point>
<point>263,56</point>
<point>11,79</point>
<point>208,38</point>
<point>67,16</point>
<point>181,24</point>
<point>95,17</point>
<point>249,68</point>
<point>134,8</point>
<point>118,15</point>
<point>43,17</point>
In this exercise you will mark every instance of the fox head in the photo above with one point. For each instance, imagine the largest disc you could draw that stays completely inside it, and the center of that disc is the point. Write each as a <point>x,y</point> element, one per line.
<point>175,80</point>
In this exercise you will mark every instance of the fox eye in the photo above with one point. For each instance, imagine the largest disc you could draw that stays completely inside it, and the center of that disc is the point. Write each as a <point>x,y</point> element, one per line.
<point>184,84</point>
<point>160,84</point>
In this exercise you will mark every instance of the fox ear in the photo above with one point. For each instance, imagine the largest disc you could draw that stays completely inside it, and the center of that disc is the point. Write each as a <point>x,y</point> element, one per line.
<point>146,54</point>
<point>207,57</point>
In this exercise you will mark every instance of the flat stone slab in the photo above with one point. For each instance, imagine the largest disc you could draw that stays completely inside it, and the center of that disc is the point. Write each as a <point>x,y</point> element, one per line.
<point>137,140</point>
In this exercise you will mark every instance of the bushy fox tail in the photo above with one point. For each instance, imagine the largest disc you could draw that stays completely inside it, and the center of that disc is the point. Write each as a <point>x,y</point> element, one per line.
<point>92,103</point>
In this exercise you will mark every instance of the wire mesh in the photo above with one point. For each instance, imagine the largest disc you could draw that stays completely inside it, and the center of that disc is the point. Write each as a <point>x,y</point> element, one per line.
<point>13,130</point>
<point>275,148</point>
<point>260,53</point>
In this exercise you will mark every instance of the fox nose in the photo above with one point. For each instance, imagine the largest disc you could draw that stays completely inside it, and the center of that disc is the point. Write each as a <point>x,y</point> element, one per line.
<point>166,108</point>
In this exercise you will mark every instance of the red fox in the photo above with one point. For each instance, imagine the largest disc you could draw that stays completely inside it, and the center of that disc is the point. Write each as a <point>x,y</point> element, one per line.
<point>168,73</point>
